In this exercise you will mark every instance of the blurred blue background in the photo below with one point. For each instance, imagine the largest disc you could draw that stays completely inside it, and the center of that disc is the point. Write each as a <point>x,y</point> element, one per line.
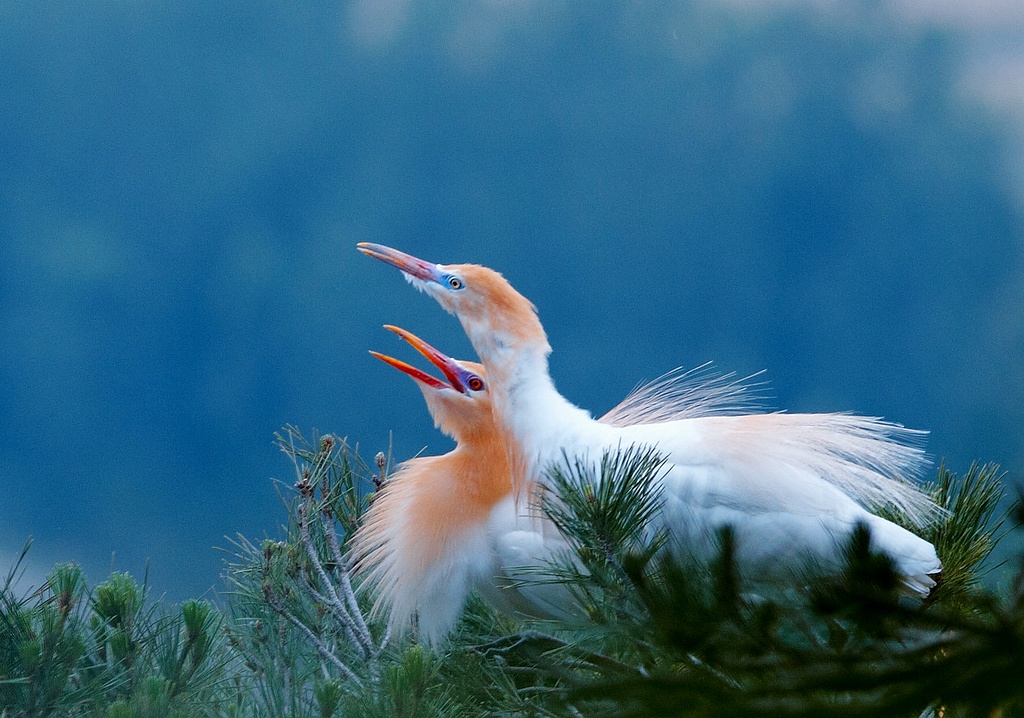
<point>832,191</point>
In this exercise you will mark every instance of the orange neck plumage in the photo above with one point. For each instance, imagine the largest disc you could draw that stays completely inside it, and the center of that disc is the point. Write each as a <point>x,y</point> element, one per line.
<point>417,521</point>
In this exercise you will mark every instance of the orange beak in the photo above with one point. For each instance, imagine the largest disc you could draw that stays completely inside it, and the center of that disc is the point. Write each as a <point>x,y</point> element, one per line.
<point>446,364</point>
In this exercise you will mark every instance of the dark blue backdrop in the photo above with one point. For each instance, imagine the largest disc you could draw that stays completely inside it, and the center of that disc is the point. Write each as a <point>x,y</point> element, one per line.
<point>817,191</point>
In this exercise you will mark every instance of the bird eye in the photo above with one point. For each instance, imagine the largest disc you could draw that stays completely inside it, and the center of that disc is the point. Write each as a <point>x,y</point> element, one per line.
<point>475,383</point>
<point>454,282</point>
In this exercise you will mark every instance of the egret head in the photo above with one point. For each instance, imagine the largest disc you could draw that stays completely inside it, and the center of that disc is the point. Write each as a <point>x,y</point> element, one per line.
<point>495,316</point>
<point>459,404</point>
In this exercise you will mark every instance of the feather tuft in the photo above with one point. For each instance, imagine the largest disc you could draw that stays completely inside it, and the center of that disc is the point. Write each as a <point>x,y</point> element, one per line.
<point>688,394</point>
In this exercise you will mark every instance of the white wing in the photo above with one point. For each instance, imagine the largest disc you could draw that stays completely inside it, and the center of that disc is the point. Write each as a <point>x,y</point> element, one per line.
<point>794,484</point>
<point>873,461</point>
<point>781,456</point>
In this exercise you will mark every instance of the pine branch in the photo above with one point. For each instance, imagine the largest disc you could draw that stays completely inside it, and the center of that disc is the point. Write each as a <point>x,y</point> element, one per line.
<point>326,653</point>
<point>660,634</point>
<point>604,512</point>
<point>968,533</point>
<point>66,653</point>
<point>853,648</point>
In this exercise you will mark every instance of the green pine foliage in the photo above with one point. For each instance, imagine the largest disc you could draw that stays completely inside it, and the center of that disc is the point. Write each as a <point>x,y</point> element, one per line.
<point>69,651</point>
<point>969,531</point>
<point>852,647</point>
<point>310,643</point>
<point>655,632</point>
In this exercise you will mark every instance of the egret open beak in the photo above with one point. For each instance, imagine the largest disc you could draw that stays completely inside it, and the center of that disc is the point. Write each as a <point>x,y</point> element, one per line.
<point>410,370</point>
<point>446,364</point>
<point>409,264</point>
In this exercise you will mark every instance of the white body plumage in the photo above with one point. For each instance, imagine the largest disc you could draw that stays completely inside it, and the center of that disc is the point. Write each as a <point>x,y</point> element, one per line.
<point>792,486</point>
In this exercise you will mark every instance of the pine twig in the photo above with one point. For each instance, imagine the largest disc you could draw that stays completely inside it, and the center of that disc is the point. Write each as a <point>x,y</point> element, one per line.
<point>323,600</point>
<point>344,576</point>
<point>335,600</point>
<point>546,643</point>
<point>314,639</point>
